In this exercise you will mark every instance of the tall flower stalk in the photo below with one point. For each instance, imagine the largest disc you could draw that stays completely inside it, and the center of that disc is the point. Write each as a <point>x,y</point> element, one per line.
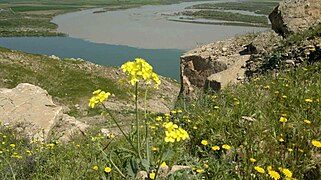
<point>138,73</point>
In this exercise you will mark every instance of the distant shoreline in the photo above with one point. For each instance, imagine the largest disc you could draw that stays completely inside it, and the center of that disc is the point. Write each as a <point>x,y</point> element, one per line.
<point>227,23</point>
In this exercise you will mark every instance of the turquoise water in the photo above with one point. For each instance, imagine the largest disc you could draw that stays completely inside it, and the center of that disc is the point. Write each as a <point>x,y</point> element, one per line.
<point>164,61</point>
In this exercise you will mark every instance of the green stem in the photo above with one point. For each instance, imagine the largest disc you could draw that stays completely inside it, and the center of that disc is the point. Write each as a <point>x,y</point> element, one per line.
<point>137,120</point>
<point>160,162</point>
<point>114,165</point>
<point>146,131</point>
<point>13,175</point>
<point>112,162</point>
<point>121,130</point>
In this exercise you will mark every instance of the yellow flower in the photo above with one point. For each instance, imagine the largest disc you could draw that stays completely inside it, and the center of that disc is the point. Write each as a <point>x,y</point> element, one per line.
<point>51,145</point>
<point>216,148</point>
<point>252,160</point>
<point>290,149</point>
<point>204,142</point>
<point>97,92</point>
<point>107,169</point>
<point>286,172</point>
<point>206,166</point>
<point>216,107</point>
<point>95,168</point>
<point>200,170</point>
<point>259,169</point>
<point>12,145</point>
<point>174,133</point>
<point>140,70</point>
<point>154,149</point>
<point>163,164</point>
<point>99,97</point>
<point>273,174</point>
<point>284,97</point>
<point>227,147</point>
<point>308,100</point>
<point>152,175</point>
<point>159,118</point>
<point>269,168</point>
<point>316,143</point>
<point>281,139</point>
<point>307,121</point>
<point>283,120</point>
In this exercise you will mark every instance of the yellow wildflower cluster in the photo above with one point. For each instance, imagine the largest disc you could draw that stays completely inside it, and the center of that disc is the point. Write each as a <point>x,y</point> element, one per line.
<point>173,132</point>
<point>99,97</point>
<point>140,70</point>
<point>274,174</point>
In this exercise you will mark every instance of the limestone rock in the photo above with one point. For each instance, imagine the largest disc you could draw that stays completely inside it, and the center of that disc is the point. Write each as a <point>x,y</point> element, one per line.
<point>31,110</point>
<point>214,65</point>
<point>178,168</point>
<point>291,16</point>
<point>141,175</point>
<point>263,43</point>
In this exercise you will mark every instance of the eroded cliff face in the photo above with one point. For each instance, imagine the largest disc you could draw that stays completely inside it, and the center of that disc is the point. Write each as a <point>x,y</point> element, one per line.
<point>292,16</point>
<point>213,66</point>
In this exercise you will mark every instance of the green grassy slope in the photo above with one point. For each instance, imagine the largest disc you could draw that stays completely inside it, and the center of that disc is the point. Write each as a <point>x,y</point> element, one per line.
<point>68,81</point>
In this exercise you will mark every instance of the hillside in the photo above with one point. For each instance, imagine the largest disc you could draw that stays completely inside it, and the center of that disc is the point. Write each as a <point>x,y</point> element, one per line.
<point>262,121</point>
<point>266,126</point>
<point>71,81</point>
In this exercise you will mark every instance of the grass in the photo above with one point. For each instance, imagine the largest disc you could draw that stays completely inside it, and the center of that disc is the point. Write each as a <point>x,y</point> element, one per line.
<point>227,16</point>
<point>220,11</point>
<point>15,24</point>
<point>290,46</point>
<point>69,82</point>
<point>257,6</point>
<point>270,122</point>
<point>246,117</point>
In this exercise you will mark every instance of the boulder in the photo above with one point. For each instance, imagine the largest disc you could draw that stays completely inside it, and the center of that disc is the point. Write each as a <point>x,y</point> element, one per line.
<point>291,16</point>
<point>30,109</point>
<point>213,66</point>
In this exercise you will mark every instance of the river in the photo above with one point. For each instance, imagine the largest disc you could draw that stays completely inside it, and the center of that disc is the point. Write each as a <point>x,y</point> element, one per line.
<point>145,27</point>
<point>114,37</point>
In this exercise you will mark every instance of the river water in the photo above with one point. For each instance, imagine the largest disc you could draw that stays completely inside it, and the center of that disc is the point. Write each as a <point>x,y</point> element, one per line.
<point>114,37</point>
<point>145,27</point>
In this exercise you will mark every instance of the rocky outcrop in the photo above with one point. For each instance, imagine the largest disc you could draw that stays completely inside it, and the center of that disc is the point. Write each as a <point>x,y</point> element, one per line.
<point>291,16</point>
<point>214,66</point>
<point>30,109</point>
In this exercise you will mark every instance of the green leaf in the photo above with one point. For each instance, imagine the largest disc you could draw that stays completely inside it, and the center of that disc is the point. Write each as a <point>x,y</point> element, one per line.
<point>132,168</point>
<point>168,154</point>
<point>145,164</point>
